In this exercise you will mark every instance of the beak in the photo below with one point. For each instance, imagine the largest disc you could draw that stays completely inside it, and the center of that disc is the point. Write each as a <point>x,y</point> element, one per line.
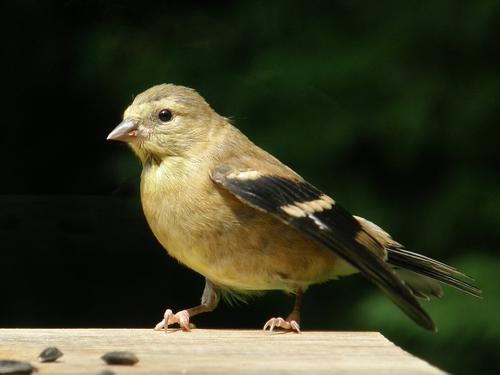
<point>126,131</point>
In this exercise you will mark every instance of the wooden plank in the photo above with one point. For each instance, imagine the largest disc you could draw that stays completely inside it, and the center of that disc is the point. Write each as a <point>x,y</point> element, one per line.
<point>205,351</point>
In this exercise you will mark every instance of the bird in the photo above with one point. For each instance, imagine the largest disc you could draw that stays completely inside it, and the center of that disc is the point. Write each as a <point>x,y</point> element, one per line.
<point>235,214</point>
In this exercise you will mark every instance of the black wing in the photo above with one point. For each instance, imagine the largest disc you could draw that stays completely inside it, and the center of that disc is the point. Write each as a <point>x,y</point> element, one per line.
<point>302,206</point>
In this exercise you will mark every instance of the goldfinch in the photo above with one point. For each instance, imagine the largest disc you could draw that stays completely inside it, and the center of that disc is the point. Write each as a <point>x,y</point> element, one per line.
<point>232,212</point>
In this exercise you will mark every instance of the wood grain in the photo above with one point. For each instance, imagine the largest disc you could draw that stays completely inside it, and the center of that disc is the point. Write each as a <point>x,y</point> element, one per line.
<point>213,352</point>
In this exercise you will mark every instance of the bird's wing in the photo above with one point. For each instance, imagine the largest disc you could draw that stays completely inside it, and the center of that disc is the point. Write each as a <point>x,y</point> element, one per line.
<point>304,207</point>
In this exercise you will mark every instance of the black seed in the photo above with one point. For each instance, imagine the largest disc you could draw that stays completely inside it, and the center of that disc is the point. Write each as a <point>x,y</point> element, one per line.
<point>120,358</point>
<point>106,372</point>
<point>15,367</point>
<point>50,354</point>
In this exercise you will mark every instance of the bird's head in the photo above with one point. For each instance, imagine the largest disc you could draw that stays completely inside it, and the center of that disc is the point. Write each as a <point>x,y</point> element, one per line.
<point>166,120</point>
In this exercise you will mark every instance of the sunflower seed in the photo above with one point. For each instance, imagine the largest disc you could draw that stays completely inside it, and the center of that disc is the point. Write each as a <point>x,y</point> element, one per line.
<point>50,354</point>
<point>15,367</point>
<point>120,358</point>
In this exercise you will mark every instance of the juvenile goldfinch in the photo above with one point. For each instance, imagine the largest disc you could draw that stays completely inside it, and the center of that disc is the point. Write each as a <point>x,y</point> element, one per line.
<point>235,214</point>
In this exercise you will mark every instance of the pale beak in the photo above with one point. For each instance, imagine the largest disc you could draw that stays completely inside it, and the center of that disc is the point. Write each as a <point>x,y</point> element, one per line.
<point>126,131</point>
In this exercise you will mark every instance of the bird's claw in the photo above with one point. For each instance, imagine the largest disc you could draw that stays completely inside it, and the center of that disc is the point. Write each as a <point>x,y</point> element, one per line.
<point>181,318</point>
<point>287,325</point>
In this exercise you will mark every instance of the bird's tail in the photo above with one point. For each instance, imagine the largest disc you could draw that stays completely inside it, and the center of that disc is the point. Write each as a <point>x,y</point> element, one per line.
<point>421,273</point>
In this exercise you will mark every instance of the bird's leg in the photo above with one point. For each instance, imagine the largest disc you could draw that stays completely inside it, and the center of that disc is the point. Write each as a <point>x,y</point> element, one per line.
<point>209,301</point>
<point>291,323</point>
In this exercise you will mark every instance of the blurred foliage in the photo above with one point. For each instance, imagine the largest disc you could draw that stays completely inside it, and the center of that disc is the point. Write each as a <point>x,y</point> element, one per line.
<point>391,107</point>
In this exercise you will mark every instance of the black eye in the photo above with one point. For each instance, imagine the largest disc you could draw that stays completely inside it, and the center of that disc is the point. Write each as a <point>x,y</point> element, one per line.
<point>165,115</point>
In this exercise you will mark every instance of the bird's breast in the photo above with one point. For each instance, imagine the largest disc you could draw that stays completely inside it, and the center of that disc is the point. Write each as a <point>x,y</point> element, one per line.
<point>185,214</point>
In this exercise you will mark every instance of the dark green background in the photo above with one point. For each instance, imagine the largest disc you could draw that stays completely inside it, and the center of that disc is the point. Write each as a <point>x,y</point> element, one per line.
<point>391,107</point>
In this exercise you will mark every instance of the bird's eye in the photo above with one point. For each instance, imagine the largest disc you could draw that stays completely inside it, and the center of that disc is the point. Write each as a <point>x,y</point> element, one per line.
<point>165,115</point>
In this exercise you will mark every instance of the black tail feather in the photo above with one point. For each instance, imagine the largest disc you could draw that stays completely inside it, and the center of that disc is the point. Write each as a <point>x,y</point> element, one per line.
<point>422,265</point>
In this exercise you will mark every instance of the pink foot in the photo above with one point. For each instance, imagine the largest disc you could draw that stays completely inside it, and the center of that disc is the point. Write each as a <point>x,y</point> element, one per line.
<point>181,318</point>
<point>287,325</point>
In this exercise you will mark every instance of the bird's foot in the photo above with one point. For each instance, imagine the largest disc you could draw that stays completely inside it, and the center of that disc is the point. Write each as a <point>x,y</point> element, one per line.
<point>181,318</point>
<point>287,325</point>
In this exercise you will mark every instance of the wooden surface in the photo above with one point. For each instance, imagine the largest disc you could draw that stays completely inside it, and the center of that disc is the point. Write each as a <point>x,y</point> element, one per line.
<point>213,352</point>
